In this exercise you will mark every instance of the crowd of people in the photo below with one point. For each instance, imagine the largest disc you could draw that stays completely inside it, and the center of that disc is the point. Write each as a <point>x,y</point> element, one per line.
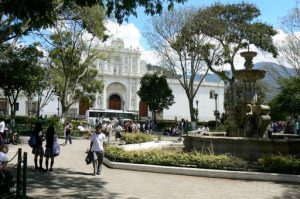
<point>290,126</point>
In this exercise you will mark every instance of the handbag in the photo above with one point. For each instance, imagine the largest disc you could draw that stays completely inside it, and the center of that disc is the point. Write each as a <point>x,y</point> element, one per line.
<point>89,157</point>
<point>56,147</point>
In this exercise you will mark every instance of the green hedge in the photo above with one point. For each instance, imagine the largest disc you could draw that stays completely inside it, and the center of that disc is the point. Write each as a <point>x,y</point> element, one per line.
<point>175,158</point>
<point>280,164</point>
<point>134,138</point>
<point>273,164</point>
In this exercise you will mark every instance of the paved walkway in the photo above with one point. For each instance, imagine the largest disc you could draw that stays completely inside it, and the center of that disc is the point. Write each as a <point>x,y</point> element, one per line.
<point>72,178</point>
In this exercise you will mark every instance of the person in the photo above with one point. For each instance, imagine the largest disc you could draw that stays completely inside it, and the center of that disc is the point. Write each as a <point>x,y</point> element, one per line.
<point>68,132</point>
<point>85,130</point>
<point>296,127</point>
<point>96,146</point>
<point>2,136</point>
<point>38,149</point>
<point>49,153</point>
<point>118,133</point>
<point>3,157</point>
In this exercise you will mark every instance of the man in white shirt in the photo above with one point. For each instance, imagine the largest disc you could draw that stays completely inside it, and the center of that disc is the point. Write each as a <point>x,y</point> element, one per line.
<point>96,146</point>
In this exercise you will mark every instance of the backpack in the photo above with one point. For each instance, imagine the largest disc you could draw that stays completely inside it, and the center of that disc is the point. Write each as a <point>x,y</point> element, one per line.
<point>32,140</point>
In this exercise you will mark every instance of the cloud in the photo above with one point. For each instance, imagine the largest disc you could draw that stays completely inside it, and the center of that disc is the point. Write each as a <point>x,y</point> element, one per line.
<point>128,32</point>
<point>150,56</point>
<point>132,36</point>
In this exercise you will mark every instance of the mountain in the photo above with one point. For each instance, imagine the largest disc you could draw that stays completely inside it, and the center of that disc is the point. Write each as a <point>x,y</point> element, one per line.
<point>273,73</point>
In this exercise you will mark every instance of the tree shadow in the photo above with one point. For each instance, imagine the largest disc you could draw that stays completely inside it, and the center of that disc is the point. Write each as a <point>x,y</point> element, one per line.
<point>292,191</point>
<point>64,183</point>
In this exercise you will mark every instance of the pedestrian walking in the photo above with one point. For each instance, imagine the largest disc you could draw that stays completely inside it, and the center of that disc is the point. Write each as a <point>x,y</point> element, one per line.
<point>37,148</point>
<point>96,146</point>
<point>68,132</point>
<point>2,135</point>
<point>51,138</point>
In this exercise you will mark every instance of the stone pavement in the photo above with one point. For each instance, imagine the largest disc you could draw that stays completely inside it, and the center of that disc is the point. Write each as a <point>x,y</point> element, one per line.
<point>72,178</point>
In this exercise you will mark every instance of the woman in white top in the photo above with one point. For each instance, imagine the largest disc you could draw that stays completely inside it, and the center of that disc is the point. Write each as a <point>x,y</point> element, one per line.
<point>3,157</point>
<point>96,146</point>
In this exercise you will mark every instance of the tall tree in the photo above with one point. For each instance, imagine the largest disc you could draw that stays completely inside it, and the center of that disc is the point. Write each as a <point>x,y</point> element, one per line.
<point>20,71</point>
<point>233,27</point>
<point>72,55</point>
<point>156,92</point>
<point>289,48</point>
<point>288,100</point>
<point>182,53</point>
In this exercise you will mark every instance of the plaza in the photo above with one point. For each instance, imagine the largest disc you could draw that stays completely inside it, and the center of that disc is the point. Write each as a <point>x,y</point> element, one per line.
<point>72,178</point>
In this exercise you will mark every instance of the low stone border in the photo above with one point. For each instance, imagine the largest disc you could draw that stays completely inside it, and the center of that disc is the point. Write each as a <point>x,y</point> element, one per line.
<point>239,175</point>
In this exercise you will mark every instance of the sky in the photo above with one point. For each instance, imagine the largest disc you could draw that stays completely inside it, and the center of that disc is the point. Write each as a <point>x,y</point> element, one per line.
<point>131,32</point>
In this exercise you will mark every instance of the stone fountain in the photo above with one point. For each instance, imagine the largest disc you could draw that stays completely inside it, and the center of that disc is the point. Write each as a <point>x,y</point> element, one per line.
<point>248,119</point>
<point>247,134</point>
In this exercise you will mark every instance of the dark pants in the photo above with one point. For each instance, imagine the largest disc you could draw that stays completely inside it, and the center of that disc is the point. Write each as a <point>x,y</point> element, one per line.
<point>68,137</point>
<point>97,163</point>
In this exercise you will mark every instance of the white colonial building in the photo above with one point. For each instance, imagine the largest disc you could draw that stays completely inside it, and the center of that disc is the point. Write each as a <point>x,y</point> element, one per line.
<point>121,74</point>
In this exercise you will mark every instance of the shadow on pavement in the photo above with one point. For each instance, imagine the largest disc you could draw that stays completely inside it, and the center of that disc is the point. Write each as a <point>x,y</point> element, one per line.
<point>63,183</point>
<point>292,191</point>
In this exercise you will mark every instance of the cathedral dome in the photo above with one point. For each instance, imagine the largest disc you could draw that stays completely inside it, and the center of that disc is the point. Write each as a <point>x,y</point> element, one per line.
<point>119,43</point>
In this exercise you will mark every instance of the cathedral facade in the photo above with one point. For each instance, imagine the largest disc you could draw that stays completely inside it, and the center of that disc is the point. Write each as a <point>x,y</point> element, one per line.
<point>121,73</point>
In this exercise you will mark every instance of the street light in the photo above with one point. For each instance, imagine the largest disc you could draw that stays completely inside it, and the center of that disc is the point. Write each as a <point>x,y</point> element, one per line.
<point>123,102</point>
<point>197,102</point>
<point>58,106</point>
<point>216,108</point>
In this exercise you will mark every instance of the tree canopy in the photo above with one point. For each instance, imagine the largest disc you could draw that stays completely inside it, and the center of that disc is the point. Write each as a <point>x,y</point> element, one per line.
<point>182,53</point>
<point>20,71</point>
<point>156,92</point>
<point>288,100</point>
<point>20,17</point>
<point>72,62</point>
<point>233,27</point>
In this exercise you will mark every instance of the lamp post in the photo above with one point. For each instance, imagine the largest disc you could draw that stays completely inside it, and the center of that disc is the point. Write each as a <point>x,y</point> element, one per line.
<point>58,106</point>
<point>197,102</point>
<point>123,103</point>
<point>216,108</point>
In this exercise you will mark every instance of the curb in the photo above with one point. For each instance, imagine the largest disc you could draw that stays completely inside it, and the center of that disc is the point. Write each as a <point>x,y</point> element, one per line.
<point>238,175</point>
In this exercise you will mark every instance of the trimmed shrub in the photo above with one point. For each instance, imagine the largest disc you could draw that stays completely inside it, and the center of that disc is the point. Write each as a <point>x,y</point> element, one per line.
<point>280,164</point>
<point>275,163</point>
<point>135,138</point>
<point>175,158</point>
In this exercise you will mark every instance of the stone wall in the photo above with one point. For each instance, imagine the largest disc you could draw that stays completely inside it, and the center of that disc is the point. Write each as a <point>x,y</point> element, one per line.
<point>241,146</point>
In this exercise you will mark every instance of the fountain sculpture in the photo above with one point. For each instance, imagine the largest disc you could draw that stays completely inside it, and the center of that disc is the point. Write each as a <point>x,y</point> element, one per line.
<point>247,123</point>
<point>248,119</point>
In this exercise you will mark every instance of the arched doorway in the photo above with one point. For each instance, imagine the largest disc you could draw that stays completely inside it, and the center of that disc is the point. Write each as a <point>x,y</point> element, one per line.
<point>114,102</point>
<point>143,109</point>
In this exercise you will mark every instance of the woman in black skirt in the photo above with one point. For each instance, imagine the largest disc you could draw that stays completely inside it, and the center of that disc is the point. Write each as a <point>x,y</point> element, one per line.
<point>38,149</point>
<point>49,153</point>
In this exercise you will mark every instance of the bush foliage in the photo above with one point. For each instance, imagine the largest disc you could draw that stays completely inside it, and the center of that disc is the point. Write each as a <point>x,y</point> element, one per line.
<point>135,138</point>
<point>280,164</point>
<point>175,158</point>
<point>273,164</point>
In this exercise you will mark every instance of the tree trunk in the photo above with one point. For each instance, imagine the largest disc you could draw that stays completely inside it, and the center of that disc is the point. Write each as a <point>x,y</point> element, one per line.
<point>192,110</point>
<point>154,115</point>
<point>12,114</point>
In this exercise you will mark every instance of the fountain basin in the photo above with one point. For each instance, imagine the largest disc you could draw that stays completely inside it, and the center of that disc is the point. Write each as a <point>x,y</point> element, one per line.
<point>242,146</point>
<point>249,75</point>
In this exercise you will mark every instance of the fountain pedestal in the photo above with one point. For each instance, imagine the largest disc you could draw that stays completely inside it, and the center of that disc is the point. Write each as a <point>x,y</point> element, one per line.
<point>248,119</point>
